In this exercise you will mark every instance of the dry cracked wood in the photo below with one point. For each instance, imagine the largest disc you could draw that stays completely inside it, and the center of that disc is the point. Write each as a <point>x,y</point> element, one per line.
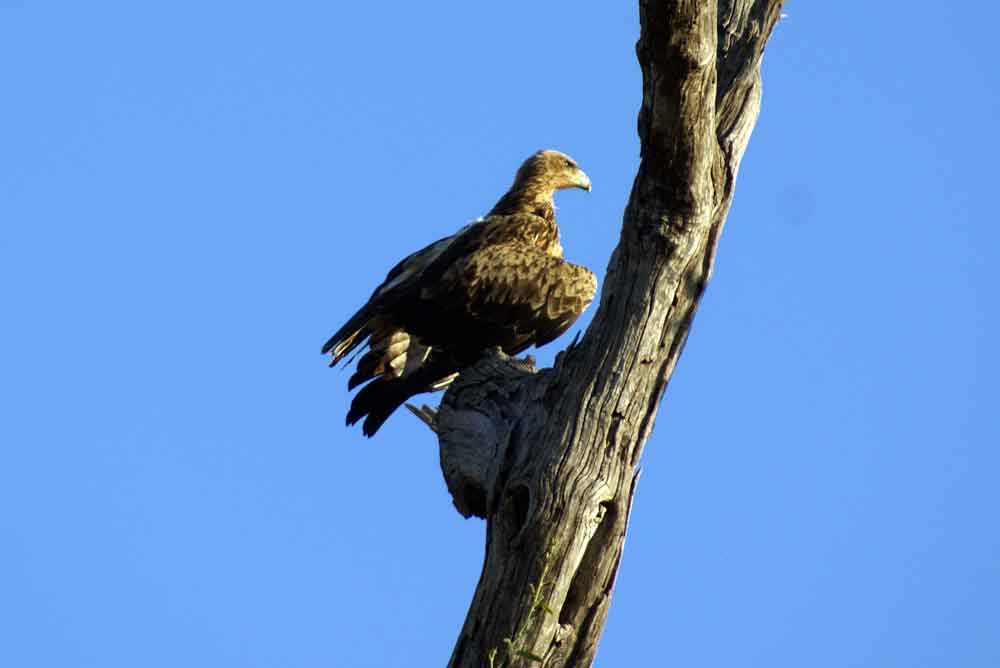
<point>550,458</point>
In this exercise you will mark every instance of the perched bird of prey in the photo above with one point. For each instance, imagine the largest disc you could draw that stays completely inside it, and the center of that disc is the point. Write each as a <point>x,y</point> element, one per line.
<point>499,281</point>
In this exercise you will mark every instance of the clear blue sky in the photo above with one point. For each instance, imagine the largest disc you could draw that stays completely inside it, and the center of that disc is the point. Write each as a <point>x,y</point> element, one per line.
<point>193,196</point>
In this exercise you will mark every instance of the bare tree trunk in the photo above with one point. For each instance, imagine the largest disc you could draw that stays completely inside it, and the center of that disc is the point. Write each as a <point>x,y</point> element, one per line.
<point>550,458</point>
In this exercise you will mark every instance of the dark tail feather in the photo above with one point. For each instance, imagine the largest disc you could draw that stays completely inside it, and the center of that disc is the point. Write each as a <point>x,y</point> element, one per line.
<point>377,401</point>
<point>367,368</point>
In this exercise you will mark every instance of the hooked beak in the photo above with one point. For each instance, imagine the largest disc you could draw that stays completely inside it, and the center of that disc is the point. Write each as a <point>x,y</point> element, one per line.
<point>581,180</point>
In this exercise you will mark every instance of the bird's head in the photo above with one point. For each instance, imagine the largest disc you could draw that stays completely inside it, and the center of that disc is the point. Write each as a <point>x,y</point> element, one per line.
<point>550,170</point>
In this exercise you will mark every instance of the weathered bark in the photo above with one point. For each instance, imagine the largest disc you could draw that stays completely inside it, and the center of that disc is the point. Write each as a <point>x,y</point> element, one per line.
<point>550,458</point>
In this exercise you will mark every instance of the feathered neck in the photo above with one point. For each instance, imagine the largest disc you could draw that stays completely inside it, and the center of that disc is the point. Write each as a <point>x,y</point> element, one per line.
<point>533,198</point>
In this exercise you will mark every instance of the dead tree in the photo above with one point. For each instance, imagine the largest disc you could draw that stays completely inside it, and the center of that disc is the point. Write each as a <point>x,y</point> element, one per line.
<point>550,458</point>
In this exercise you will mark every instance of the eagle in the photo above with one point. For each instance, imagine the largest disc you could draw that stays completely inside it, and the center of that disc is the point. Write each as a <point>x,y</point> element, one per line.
<point>500,281</point>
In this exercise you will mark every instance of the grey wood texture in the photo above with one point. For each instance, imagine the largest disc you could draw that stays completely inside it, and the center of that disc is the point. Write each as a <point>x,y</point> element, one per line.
<point>550,458</point>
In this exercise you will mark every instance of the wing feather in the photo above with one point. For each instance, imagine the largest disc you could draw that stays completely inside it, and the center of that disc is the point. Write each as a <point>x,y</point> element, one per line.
<point>520,288</point>
<point>428,263</point>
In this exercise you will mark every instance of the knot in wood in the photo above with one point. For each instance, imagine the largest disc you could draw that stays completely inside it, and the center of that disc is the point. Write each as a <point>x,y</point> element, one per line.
<point>477,416</point>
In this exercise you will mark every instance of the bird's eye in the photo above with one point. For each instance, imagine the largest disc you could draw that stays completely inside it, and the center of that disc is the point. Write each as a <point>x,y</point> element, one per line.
<point>569,163</point>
